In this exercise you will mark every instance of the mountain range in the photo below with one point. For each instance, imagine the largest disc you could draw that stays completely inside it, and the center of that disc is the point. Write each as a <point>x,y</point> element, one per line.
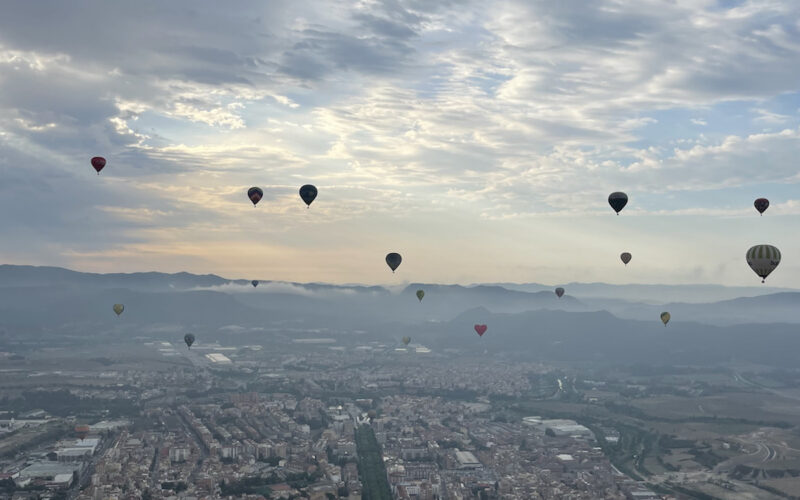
<point>527,320</point>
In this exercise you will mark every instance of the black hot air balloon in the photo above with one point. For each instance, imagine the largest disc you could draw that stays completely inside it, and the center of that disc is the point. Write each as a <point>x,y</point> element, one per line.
<point>189,339</point>
<point>618,200</point>
<point>761,205</point>
<point>625,257</point>
<point>308,193</point>
<point>559,292</point>
<point>393,260</point>
<point>255,194</point>
<point>98,162</point>
<point>254,283</point>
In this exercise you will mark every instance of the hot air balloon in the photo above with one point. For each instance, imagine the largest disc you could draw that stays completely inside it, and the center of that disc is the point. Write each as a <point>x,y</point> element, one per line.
<point>308,193</point>
<point>82,431</point>
<point>420,294</point>
<point>481,329</point>
<point>761,205</point>
<point>618,200</point>
<point>406,340</point>
<point>372,414</point>
<point>255,194</point>
<point>118,308</point>
<point>665,318</point>
<point>625,257</point>
<point>254,283</point>
<point>189,339</point>
<point>393,260</point>
<point>98,162</point>
<point>763,259</point>
<point>559,292</point>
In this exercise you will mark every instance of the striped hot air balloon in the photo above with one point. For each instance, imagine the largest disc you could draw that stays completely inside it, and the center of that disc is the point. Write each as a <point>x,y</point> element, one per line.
<point>763,259</point>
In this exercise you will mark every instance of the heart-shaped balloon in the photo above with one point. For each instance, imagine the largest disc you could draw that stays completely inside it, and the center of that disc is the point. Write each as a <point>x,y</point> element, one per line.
<point>481,329</point>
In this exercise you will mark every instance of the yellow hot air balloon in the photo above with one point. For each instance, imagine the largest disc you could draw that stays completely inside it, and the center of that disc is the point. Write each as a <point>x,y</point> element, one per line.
<point>665,318</point>
<point>118,308</point>
<point>406,340</point>
<point>420,294</point>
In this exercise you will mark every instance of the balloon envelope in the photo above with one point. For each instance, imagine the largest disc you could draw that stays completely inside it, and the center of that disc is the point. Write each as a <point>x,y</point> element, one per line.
<point>308,193</point>
<point>118,308</point>
<point>761,205</point>
<point>254,283</point>
<point>618,200</point>
<point>82,431</point>
<point>481,329</point>
<point>98,162</point>
<point>393,260</point>
<point>189,339</point>
<point>625,257</point>
<point>665,318</point>
<point>255,194</point>
<point>420,294</point>
<point>406,340</point>
<point>559,292</point>
<point>763,259</point>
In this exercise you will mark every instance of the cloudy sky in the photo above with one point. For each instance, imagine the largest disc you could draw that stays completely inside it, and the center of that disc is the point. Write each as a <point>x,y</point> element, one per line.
<point>480,139</point>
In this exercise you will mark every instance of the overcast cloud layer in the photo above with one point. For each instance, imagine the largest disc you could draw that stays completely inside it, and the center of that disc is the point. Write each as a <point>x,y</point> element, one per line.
<point>478,139</point>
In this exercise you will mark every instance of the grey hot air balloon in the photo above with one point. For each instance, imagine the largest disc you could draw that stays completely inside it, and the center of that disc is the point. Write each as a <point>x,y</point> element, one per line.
<point>763,259</point>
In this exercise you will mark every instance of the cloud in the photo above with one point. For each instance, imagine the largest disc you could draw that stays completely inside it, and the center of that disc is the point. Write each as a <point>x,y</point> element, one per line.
<point>770,118</point>
<point>400,111</point>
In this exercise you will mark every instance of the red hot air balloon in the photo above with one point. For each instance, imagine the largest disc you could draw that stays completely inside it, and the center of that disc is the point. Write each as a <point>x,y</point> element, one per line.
<point>761,205</point>
<point>481,329</point>
<point>82,431</point>
<point>98,162</point>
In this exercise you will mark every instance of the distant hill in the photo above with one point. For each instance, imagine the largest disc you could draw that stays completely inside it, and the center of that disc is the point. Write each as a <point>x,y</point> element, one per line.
<point>783,307</point>
<point>602,337</point>
<point>654,294</point>
<point>25,276</point>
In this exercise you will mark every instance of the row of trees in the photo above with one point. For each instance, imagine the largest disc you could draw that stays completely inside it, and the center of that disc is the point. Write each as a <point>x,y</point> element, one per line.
<point>371,470</point>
